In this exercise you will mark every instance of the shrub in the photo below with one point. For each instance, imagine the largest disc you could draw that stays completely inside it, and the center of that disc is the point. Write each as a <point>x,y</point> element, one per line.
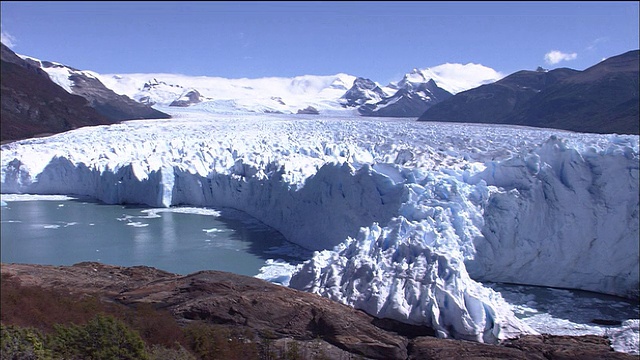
<point>156,327</point>
<point>209,342</point>
<point>104,337</point>
<point>158,352</point>
<point>33,306</point>
<point>22,344</point>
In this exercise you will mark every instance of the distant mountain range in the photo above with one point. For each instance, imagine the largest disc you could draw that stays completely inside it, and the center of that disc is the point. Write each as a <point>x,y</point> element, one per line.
<point>411,99</point>
<point>602,99</point>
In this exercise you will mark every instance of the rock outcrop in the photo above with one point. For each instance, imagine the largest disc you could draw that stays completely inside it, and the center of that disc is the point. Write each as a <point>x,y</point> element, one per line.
<point>261,307</point>
<point>309,110</point>
<point>188,98</point>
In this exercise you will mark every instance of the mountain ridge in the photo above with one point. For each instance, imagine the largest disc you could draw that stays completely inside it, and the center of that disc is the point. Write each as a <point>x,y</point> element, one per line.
<point>602,99</point>
<point>582,100</point>
<point>33,105</point>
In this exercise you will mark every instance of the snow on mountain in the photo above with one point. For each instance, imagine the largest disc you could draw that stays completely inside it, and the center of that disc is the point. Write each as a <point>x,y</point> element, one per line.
<point>87,84</point>
<point>188,97</point>
<point>418,90</point>
<point>363,91</point>
<point>285,95</point>
<point>401,213</point>
<point>411,100</point>
<point>59,73</point>
<point>453,78</point>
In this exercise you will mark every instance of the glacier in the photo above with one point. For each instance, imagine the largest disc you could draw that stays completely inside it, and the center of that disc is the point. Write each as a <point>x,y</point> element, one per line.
<point>406,218</point>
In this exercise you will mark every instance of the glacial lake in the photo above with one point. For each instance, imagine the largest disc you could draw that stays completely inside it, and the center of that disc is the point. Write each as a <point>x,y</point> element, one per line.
<point>178,240</point>
<point>183,240</point>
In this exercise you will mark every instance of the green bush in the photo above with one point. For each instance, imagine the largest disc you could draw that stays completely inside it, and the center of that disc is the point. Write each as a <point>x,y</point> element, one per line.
<point>22,344</point>
<point>104,337</point>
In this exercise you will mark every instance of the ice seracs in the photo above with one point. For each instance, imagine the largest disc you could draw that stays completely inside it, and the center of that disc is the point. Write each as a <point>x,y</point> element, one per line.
<point>559,202</point>
<point>402,214</point>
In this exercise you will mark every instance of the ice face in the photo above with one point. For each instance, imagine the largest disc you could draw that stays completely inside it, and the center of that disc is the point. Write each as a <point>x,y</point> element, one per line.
<point>401,213</point>
<point>561,203</point>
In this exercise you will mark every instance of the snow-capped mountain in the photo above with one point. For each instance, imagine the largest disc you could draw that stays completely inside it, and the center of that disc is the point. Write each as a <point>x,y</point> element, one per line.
<point>332,94</point>
<point>453,78</point>
<point>417,91</point>
<point>88,85</point>
<point>221,95</point>
<point>33,105</point>
<point>188,97</point>
<point>411,99</point>
<point>363,91</point>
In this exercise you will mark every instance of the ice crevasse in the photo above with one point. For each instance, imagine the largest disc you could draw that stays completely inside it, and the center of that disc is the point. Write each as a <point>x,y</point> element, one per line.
<point>400,223</point>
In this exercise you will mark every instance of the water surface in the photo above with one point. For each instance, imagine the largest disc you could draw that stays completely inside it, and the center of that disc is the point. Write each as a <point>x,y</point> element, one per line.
<point>178,240</point>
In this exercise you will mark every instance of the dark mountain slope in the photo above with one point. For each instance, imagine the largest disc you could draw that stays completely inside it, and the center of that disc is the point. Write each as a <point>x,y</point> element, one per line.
<point>32,104</point>
<point>115,107</point>
<point>493,103</point>
<point>602,99</point>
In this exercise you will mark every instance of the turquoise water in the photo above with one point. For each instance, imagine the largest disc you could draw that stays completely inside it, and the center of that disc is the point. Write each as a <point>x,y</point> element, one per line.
<point>178,240</point>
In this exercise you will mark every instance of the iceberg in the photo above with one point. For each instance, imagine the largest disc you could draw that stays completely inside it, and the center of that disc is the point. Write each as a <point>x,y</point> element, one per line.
<point>406,219</point>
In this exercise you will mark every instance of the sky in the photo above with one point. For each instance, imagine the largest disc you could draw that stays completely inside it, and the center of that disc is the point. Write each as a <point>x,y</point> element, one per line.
<point>376,40</point>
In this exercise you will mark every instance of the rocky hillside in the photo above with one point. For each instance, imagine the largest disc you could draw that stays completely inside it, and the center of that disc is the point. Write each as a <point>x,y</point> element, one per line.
<point>259,307</point>
<point>32,104</point>
<point>601,99</point>
<point>106,102</point>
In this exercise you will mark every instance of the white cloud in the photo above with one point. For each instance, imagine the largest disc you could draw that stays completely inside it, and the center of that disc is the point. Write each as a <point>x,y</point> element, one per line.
<point>554,56</point>
<point>7,39</point>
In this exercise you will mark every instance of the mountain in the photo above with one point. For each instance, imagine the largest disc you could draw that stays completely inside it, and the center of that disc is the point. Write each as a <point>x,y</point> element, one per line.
<point>222,95</point>
<point>86,84</point>
<point>189,97</point>
<point>339,94</point>
<point>497,100</point>
<point>601,99</point>
<point>418,90</point>
<point>411,99</point>
<point>362,92</point>
<point>454,78</point>
<point>332,94</point>
<point>32,104</point>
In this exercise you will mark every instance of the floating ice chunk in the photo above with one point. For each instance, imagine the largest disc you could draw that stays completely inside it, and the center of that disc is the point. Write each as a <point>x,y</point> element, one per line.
<point>137,224</point>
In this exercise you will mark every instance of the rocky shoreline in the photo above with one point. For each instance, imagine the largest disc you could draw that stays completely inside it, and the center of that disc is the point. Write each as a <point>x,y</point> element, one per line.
<point>311,321</point>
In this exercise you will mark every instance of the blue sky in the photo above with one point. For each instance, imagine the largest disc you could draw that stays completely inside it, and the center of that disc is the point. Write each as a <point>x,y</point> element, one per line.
<point>377,40</point>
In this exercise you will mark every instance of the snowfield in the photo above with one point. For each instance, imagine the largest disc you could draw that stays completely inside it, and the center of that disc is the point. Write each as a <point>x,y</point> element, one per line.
<point>403,215</point>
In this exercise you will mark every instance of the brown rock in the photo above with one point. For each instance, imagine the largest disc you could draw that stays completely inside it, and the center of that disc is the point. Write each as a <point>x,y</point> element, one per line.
<point>321,328</point>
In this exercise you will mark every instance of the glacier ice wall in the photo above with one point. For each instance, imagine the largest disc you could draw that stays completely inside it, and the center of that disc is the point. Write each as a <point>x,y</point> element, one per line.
<point>562,218</point>
<point>401,213</point>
